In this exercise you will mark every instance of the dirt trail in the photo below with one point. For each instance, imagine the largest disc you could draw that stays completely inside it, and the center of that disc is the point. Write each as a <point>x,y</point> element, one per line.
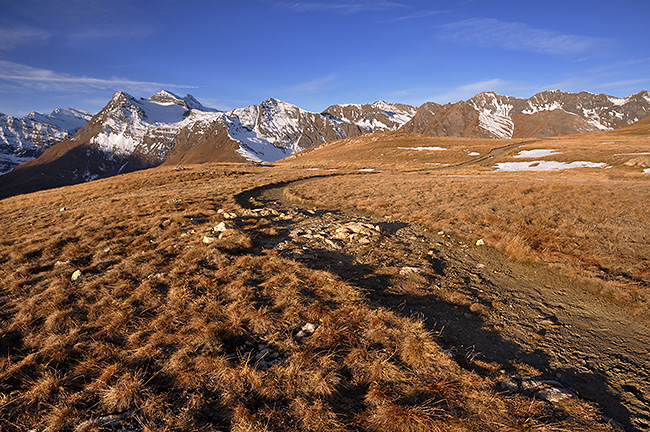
<point>487,158</point>
<point>529,314</point>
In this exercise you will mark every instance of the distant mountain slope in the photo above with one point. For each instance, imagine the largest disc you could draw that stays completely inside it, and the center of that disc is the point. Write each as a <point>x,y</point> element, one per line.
<point>380,116</point>
<point>130,134</point>
<point>489,115</point>
<point>22,139</point>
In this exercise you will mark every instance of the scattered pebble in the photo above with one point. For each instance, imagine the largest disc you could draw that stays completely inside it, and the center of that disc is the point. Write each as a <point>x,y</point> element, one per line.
<point>209,239</point>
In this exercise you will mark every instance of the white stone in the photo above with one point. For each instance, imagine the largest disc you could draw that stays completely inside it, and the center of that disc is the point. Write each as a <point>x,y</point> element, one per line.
<point>409,270</point>
<point>223,226</point>
<point>76,275</point>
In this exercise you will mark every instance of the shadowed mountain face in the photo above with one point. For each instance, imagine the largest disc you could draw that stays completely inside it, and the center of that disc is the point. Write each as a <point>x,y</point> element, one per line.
<point>130,134</point>
<point>22,139</point>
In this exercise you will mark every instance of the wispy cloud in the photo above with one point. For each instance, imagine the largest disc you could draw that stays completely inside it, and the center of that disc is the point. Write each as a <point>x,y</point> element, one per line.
<point>43,79</point>
<point>488,32</point>
<point>11,38</point>
<point>466,91</point>
<point>414,16</point>
<point>341,7</point>
<point>111,34</point>
<point>324,83</point>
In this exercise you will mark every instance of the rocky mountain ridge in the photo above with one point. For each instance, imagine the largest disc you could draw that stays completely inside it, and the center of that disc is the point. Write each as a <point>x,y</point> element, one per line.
<point>22,139</point>
<point>549,113</point>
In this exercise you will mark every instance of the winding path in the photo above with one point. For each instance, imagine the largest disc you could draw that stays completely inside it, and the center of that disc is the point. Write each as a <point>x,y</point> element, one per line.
<point>535,316</point>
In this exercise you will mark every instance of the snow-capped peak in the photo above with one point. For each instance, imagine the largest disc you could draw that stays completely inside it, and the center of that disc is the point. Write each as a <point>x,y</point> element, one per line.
<point>68,119</point>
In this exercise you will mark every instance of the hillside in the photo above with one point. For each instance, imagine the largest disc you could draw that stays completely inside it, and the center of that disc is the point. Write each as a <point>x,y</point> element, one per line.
<point>418,286</point>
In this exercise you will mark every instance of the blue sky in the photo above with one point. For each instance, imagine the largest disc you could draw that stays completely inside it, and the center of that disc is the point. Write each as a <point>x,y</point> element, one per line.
<point>76,53</point>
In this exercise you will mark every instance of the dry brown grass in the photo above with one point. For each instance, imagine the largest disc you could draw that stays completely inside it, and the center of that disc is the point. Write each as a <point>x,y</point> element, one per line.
<point>156,327</point>
<point>594,223</point>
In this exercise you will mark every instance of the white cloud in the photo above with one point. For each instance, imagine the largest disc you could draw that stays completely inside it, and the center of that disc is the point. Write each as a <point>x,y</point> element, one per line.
<point>109,34</point>
<point>413,16</point>
<point>316,85</point>
<point>487,32</point>
<point>20,37</point>
<point>43,79</point>
<point>466,91</point>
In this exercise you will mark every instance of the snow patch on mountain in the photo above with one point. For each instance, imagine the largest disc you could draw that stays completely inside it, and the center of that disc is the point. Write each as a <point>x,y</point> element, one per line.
<point>548,106</point>
<point>494,114</point>
<point>23,139</point>
<point>618,101</point>
<point>268,132</point>
<point>498,125</point>
<point>68,119</point>
<point>400,114</point>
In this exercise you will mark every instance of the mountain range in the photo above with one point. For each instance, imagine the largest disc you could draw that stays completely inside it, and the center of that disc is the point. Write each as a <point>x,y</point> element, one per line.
<point>71,146</point>
<point>23,139</point>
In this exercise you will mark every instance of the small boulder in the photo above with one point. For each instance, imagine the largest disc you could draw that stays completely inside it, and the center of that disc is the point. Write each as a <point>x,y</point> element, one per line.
<point>223,226</point>
<point>554,394</point>
<point>209,239</point>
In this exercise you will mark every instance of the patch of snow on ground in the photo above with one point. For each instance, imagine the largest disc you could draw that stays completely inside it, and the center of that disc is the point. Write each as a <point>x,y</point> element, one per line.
<point>646,171</point>
<point>366,170</point>
<point>423,148</point>
<point>545,166</point>
<point>473,154</point>
<point>537,153</point>
<point>632,154</point>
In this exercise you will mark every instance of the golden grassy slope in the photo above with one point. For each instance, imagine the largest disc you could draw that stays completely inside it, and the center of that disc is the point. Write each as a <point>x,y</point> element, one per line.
<point>158,326</point>
<point>591,221</point>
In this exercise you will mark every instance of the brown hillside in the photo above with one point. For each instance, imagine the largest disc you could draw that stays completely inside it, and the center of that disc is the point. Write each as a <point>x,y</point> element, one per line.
<point>550,123</point>
<point>170,299</point>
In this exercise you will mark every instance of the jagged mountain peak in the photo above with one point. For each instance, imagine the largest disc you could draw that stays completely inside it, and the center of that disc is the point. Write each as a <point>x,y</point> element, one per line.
<point>279,104</point>
<point>165,96</point>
